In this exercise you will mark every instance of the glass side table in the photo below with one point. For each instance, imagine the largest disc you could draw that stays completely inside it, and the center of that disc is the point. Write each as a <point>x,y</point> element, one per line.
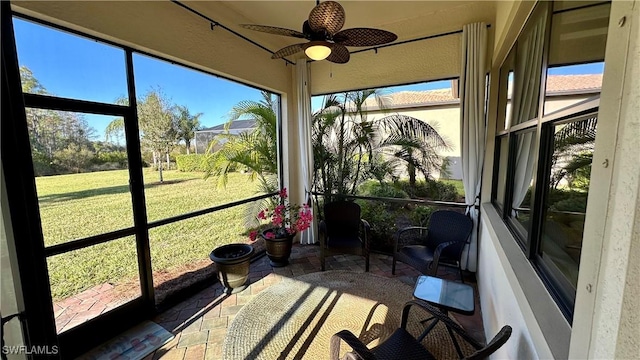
<point>447,296</point>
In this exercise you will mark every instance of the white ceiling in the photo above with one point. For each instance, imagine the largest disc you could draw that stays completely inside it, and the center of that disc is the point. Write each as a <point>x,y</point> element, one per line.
<point>407,19</point>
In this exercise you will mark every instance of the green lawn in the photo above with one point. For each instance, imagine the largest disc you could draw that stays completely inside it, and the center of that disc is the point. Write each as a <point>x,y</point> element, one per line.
<point>80,205</point>
<point>457,183</point>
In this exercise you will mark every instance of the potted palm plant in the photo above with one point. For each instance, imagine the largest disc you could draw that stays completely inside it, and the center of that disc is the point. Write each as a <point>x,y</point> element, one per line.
<point>284,221</point>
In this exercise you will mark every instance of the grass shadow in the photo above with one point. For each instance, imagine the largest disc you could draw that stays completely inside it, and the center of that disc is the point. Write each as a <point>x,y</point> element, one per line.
<point>109,190</point>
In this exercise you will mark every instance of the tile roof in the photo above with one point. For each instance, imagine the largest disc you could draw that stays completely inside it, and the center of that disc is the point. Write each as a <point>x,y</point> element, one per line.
<point>556,85</point>
<point>571,83</point>
<point>238,124</point>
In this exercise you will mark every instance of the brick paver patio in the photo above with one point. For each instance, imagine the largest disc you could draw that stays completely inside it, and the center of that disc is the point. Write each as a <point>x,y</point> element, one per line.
<point>88,304</point>
<point>200,322</point>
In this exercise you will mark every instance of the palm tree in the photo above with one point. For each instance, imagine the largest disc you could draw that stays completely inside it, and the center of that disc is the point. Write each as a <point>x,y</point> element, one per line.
<point>343,141</point>
<point>573,151</point>
<point>187,125</point>
<point>349,148</point>
<point>413,142</point>
<point>255,150</point>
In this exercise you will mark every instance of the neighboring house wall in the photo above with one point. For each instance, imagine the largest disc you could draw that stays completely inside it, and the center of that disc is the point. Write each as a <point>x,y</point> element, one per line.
<point>554,103</point>
<point>203,138</point>
<point>445,118</point>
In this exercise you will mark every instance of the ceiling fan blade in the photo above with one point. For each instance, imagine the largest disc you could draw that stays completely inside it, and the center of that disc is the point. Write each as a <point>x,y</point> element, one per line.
<point>274,30</point>
<point>339,54</point>
<point>364,37</point>
<point>288,50</point>
<point>328,15</point>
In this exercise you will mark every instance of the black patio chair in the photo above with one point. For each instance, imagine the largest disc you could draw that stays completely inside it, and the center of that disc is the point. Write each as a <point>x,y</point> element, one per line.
<point>342,231</point>
<point>402,345</point>
<point>425,248</point>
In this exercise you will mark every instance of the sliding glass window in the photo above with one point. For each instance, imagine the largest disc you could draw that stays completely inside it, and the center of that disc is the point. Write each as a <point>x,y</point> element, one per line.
<point>545,140</point>
<point>565,201</point>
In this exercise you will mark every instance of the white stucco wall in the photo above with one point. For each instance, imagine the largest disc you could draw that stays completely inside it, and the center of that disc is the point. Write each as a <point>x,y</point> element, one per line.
<point>511,294</point>
<point>608,287</point>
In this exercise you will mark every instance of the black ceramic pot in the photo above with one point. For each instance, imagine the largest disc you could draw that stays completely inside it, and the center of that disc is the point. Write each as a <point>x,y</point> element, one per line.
<point>278,248</point>
<point>232,262</point>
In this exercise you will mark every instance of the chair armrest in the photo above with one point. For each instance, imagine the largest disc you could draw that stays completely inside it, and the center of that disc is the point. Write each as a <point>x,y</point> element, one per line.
<point>365,224</point>
<point>437,252</point>
<point>358,347</point>
<point>365,234</point>
<point>501,337</point>
<point>322,232</point>
<point>403,236</point>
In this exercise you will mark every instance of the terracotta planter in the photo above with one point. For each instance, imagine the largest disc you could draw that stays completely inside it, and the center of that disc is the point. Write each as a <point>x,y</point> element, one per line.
<point>278,249</point>
<point>232,262</point>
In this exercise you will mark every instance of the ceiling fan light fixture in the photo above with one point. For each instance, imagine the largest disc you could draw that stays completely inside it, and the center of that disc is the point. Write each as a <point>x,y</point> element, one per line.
<point>325,38</point>
<point>318,50</point>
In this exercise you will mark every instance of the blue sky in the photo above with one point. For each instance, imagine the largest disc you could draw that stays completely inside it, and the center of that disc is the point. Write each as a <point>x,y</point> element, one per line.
<point>74,67</point>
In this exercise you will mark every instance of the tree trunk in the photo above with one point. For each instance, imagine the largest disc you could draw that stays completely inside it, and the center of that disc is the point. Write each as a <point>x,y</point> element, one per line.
<point>412,176</point>
<point>188,143</point>
<point>160,170</point>
<point>168,162</point>
<point>155,159</point>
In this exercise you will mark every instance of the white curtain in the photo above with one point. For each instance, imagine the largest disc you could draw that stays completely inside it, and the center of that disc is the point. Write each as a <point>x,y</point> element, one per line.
<point>472,126</point>
<point>305,150</point>
<point>526,96</point>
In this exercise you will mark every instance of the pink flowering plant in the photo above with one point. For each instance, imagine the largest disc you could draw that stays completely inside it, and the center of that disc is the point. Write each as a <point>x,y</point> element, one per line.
<point>285,219</point>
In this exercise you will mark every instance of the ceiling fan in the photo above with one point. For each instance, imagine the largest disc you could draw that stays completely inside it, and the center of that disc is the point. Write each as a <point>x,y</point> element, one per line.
<point>326,41</point>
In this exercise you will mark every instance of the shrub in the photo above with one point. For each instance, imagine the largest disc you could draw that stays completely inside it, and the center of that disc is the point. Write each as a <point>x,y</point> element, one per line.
<point>421,214</point>
<point>385,189</point>
<point>575,202</point>
<point>383,224</point>
<point>113,157</point>
<point>430,189</point>
<point>191,162</point>
<point>42,164</point>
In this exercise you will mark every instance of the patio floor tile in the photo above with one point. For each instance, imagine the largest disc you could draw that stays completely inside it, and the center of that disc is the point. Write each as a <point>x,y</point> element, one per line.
<point>193,338</point>
<point>200,322</point>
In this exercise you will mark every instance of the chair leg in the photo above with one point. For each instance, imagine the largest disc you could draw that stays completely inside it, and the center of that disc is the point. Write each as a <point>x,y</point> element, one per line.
<point>321,260</point>
<point>366,262</point>
<point>393,265</point>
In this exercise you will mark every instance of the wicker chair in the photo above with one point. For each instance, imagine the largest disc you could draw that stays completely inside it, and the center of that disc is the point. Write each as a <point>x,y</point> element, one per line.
<point>425,248</point>
<point>342,231</point>
<point>402,345</point>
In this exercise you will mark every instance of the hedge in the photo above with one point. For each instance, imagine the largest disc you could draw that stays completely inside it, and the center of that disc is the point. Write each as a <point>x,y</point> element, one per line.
<point>191,162</point>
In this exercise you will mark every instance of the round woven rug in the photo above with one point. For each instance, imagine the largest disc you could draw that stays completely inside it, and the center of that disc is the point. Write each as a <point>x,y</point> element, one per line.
<point>296,318</point>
